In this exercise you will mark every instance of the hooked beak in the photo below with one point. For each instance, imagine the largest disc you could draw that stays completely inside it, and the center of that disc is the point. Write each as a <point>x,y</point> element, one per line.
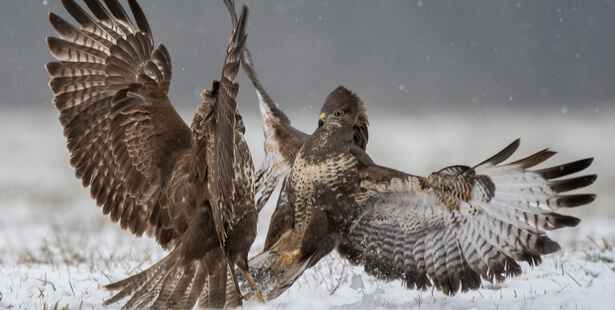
<point>321,121</point>
<point>240,126</point>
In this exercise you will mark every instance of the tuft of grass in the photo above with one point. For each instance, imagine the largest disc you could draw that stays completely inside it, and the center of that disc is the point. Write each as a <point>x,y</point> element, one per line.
<point>28,258</point>
<point>418,300</point>
<point>45,283</point>
<point>71,287</point>
<point>61,252</point>
<point>573,279</point>
<point>602,253</point>
<point>56,306</point>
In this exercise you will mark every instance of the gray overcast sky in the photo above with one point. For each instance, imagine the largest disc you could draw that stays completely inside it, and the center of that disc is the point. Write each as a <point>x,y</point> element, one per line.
<point>395,54</point>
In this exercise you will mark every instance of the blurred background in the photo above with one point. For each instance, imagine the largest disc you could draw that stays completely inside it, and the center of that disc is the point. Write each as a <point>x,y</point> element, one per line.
<point>446,82</point>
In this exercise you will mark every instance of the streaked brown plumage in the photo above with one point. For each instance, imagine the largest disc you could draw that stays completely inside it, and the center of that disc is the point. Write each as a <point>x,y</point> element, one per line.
<point>192,188</point>
<point>447,230</point>
<point>282,140</point>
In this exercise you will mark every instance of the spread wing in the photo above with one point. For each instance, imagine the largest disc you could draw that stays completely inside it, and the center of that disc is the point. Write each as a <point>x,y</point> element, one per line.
<point>110,85</point>
<point>215,124</point>
<point>460,224</point>
<point>282,141</point>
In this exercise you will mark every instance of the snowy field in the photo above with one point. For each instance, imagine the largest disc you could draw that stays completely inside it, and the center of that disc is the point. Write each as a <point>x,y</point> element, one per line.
<point>57,250</point>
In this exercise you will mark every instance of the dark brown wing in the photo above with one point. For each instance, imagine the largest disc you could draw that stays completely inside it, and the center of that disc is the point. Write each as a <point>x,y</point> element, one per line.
<point>282,140</point>
<point>110,87</point>
<point>460,224</point>
<point>214,125</point>
<point>200,266</point>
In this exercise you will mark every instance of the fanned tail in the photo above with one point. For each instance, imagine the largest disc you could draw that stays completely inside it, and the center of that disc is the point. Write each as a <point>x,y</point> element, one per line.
<point>272,276</point>
<point>221,290</point>
<point>171,284</point>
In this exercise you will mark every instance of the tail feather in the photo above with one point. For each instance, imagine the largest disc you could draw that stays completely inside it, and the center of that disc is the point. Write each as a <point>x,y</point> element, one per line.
<point>142,284</point>
<point>194,290</point>
<point>130,285</point>
<point>146,295</point>
<point>214,293</point>
<point>179,295</point>
<point>233,294</point>
<point>287,279</point>
<point>274,276</point>
<point>171,284</point>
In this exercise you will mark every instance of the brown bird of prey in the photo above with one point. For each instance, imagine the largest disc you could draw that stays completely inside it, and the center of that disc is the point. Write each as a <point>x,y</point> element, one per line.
<point>192,188</point>
<point>446,230</point>
<point>282,140</point>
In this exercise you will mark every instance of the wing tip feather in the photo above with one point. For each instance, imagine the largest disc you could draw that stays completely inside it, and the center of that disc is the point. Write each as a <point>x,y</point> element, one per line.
<point>566,185</point>
<point>544,245</point>
<point>572,201</point>
<point>503,154</point>
<point>565,169</point>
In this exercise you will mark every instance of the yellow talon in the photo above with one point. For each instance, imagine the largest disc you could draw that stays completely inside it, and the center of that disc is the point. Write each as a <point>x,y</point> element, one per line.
<point>259,296</point>
<point>289,257</point>
<point>254,287</point>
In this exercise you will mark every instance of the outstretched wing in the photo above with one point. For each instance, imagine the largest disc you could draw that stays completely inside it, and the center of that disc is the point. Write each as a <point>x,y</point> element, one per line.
<point>110,86</point>
<point>460,224</point>
<point>203,188</point>
<point>282,141</point>
<point>214,127</point>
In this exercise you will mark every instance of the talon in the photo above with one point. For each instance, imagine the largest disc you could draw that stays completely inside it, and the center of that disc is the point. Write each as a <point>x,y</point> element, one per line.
<point>289,257</point>
<point>254,287</point>
<point>247,296</point>
<point>259,296</point>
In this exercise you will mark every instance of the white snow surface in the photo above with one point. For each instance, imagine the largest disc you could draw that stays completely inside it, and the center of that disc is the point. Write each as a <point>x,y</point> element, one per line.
<point>57,250</point>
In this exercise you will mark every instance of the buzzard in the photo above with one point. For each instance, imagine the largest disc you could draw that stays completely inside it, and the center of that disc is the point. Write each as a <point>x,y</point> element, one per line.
<point>282,140</point>
<point>447,230</point>
<point>192,188</point>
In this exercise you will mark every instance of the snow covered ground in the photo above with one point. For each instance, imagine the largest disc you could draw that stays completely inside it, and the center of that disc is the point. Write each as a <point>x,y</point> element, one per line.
<point>57,250</point>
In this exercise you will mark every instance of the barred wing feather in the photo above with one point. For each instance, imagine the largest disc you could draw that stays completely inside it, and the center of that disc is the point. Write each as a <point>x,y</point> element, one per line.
<point>110,86</point>
<point>460,224</point>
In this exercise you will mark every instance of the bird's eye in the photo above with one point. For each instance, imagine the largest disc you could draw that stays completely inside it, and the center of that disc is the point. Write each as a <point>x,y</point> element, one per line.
<point>338,113</point>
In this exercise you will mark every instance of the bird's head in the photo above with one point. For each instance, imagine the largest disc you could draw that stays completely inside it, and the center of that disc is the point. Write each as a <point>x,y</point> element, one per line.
<point>342,108</point>
<point>239,126</point>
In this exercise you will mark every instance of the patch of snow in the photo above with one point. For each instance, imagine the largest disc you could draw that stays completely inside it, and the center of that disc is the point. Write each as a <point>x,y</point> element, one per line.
<point>56,248</point>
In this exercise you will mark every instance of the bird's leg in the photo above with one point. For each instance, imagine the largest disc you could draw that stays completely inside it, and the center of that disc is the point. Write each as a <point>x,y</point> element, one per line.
<point>254,287</point>
<point>289,257</point>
